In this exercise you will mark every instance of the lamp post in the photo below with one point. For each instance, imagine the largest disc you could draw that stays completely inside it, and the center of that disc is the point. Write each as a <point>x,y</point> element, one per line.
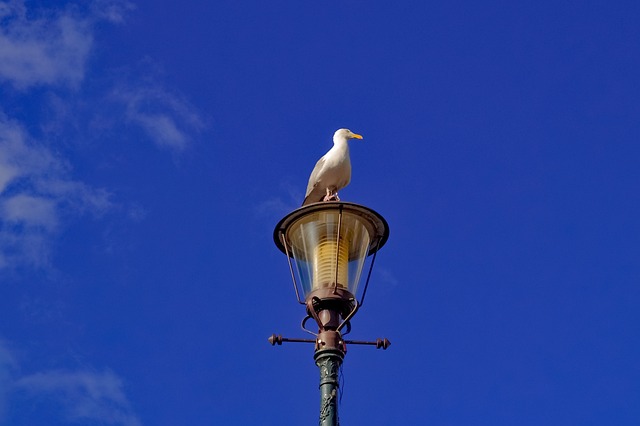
<point>329,243</point>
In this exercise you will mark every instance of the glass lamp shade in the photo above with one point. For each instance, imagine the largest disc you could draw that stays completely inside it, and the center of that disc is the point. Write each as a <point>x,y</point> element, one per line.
<point>329,243</point>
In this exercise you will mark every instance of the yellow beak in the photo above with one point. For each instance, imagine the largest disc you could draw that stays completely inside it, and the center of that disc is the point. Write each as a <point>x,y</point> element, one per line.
<point>356,136</point>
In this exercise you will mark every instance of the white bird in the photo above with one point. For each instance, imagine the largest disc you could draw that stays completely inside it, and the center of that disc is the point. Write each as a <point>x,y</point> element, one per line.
<point>333,171</point>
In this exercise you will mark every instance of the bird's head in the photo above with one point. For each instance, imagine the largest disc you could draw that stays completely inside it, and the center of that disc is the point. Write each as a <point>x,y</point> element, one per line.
<point>346,134</point>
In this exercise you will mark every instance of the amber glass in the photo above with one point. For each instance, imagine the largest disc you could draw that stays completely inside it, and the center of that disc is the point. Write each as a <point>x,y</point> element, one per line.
<point>329,249</point>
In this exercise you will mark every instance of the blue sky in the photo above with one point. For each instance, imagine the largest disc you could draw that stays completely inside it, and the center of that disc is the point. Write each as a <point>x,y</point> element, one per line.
<point>148,148</point>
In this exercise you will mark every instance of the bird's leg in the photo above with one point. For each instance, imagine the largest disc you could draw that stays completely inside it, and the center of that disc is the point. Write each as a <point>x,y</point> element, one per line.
<point>329,194</point>
<point>332,195</point>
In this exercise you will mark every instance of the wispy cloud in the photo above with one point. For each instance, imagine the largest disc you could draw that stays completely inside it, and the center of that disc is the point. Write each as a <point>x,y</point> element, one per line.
<point>113,11</point>
<point>386,277</point>
<point>277,206</point>
<point>7,366</point>
<point>30,211</point>
<point>51,47</point>
<point>167,118</point>
<point>45,50</point>
<point>84,395</point>
<point>36,194</point>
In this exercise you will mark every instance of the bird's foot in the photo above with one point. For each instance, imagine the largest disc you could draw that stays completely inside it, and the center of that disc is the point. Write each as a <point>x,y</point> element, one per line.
<point>332,197</point>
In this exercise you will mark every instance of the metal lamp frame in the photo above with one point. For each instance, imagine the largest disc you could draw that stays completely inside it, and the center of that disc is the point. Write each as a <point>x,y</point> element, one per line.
<point>332,308</point>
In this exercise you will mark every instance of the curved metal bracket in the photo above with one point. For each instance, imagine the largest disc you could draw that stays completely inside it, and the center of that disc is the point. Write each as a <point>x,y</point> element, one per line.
<point>312,312</point>
<point>348,324</point>
<point>351,314</point>
<point>304,322</point>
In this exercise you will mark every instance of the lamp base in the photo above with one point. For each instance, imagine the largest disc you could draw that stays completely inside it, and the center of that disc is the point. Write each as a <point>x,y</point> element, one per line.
<point>329,298</point>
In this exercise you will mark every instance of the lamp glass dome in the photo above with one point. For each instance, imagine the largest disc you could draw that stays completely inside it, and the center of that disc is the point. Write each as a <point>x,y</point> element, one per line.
<point>329,243</point>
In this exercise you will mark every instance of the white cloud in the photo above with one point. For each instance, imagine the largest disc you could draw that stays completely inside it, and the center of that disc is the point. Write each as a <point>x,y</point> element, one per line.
<point>51,49</point>
<point>36,194</point>
<point>167,118</point>
<point>7,366</point>
<point>84,395</point>
<point>18,158</point>
<point>45,50</point>
<point>30,211</point>
<point>112,10</point>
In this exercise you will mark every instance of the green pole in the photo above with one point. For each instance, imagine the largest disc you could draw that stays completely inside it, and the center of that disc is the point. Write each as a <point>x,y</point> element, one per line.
<point>329,361</point>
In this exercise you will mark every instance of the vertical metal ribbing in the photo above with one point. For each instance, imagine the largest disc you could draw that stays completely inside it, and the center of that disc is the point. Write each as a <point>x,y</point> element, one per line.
<point>335,288</point>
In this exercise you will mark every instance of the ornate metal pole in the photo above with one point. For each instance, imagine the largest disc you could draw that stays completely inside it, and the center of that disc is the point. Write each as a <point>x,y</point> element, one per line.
<point>330,350</point>
<point>329,361</point>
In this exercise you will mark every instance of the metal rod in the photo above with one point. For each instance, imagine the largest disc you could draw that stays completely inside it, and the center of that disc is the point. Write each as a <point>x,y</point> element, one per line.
<point>335,288</point>
<point>277,339</point>
<point>379,343</point>
<point>357,342</point>
<point>366,286</point>
<point>293,277</point>
<point>285,339</point>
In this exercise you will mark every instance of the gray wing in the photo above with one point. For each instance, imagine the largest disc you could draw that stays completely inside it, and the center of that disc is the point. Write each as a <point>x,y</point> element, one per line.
<point>315,193</point>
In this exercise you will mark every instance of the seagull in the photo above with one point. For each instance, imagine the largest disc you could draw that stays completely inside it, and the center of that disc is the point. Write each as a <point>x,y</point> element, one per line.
<point>333,171</point>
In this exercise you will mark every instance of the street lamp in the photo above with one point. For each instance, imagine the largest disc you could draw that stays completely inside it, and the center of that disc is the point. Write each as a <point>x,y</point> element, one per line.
<point>329,243</point>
